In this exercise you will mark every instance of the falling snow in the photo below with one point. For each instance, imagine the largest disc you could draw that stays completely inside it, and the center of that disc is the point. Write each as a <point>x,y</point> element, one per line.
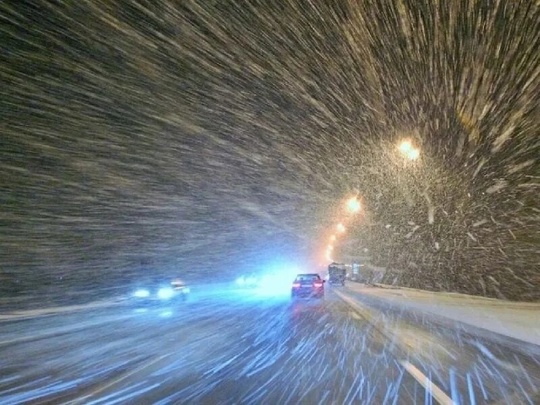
<point>215,139</point>
<point>162,135</point>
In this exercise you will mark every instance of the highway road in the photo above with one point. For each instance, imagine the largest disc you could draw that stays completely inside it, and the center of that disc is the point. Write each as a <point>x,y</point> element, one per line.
<point>239,347</point>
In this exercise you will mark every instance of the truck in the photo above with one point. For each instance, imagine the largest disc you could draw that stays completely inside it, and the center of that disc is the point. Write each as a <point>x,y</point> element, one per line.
<point>337,273</point>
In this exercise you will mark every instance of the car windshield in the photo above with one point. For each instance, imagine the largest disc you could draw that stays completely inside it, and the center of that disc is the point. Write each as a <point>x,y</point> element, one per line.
<point>308,277</point>
<point>171,170</point>
<point>146,279</point>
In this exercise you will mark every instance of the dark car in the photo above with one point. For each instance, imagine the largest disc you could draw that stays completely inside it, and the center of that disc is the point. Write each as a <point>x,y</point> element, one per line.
<point>308,285</point>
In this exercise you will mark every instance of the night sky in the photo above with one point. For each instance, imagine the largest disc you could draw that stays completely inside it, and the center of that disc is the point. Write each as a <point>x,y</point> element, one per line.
<point>218,137</point>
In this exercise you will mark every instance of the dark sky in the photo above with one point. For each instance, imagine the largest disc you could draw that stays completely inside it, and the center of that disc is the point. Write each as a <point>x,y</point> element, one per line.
<point>204,135</point>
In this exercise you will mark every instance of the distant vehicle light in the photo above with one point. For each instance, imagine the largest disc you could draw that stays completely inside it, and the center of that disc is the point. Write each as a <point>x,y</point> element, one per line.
<point>296,285</point>
<point>165,293</point>
<point>318,285</point>
<point>141,293</point>
<point>240,281</point>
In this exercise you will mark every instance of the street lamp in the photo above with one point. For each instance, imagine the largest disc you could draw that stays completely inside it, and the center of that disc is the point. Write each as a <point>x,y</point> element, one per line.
<point>329,250</point>
<point>405,146</point>
<point>340,227</point>
<point>332,238</point>
<point>353,205</point>
<point>413,154</point>
<point>408,150</point>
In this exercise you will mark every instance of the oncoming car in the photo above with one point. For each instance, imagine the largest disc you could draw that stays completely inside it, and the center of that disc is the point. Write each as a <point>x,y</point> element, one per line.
<point>308,285</point>
<point>161,292</point>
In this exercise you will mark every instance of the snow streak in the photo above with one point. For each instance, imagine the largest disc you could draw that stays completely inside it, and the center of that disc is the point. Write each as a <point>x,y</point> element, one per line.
<point>195,134</point>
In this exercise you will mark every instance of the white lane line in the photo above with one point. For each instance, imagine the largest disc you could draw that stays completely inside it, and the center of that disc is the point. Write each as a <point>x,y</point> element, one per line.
<point>86,397</point>
<point>353,304</point>
<point>438,394</point>
<point>355,315</point>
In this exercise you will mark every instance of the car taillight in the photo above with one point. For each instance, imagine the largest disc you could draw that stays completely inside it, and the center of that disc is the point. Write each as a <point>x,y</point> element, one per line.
<point>296,285</point>
<point>318,285</point>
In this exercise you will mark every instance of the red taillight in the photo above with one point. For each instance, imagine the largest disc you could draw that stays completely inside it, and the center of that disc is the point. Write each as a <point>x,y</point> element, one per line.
<point>318,285</point>
<point>296,285</point>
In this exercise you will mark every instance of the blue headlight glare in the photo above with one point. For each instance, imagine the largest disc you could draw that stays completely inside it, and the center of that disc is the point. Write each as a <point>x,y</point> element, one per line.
<point>165,293</point>
<point>141,293</point>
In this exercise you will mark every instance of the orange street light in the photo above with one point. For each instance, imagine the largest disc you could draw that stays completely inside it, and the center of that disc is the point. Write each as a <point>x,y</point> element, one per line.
<point>328,254</point>
<point>413,154</point>
<point>408,150</point>
<point>353,205</point>
<point>405,146</point>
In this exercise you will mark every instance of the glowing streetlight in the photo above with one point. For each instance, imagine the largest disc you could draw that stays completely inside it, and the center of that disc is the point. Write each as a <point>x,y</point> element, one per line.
<point>413,154</point>
<point>353,205</point>
<point>332,238</point>
<point>340,227</point>
<point>405,147</point>
<point>408,150</point>
<point>328,254</point>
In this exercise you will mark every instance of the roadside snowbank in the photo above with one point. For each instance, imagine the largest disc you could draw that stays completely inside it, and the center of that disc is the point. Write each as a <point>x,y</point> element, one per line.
<point>518,320</point>
<point>34,313</point>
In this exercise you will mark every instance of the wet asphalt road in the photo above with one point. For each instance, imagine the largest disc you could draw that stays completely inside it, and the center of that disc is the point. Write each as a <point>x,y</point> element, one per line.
<point>240,347</point>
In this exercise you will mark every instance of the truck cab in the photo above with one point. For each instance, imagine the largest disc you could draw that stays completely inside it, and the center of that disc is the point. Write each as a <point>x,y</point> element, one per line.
<point>337,273</point>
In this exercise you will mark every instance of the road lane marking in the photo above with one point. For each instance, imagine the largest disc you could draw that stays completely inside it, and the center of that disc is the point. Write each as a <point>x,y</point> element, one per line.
<point>438,394</point>
<point>354,305</point>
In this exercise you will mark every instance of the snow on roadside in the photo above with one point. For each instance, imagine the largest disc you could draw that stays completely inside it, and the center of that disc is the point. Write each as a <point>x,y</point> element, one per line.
<point>33,313</point>
<point>198,290</point>
<point>518,320</point>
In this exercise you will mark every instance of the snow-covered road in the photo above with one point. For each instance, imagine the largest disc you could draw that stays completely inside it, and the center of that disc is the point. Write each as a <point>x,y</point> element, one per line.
<point>236,346</point>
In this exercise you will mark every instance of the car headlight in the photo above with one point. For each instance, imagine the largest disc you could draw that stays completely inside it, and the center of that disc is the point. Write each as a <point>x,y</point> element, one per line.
<point>141,293</point>
<point>165,293</point>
